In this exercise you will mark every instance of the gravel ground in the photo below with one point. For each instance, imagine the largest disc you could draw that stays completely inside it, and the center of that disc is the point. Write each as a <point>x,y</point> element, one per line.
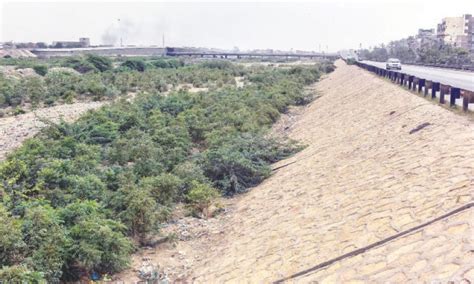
<point>16,129</point>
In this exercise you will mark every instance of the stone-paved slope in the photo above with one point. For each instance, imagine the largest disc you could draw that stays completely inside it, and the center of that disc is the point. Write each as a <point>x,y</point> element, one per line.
<point>362,178</point>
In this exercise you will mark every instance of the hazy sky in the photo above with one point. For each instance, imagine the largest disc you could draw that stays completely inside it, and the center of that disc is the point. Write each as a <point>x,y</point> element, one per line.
<point>279,25</point>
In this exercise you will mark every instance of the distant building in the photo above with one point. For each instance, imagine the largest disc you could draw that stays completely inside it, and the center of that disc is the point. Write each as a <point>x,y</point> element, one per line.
<point>426,38</point>
<point>457,31</point>
<point>83,42</point>
<point>425,33</point>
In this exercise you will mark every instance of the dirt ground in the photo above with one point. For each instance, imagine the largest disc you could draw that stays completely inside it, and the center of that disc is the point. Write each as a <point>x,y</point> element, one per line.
<point>16,129</point>
<point>365,176</point>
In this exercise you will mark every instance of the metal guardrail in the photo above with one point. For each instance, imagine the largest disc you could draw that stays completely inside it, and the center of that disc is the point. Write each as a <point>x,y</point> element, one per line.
<point>421,85</point>
<point>466,67</point>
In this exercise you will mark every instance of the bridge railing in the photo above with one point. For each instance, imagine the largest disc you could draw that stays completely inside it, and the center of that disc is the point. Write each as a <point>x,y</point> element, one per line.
<point>424,86</point>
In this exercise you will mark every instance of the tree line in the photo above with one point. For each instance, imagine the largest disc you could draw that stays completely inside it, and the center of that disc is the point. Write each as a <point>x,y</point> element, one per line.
<point>433,52</point>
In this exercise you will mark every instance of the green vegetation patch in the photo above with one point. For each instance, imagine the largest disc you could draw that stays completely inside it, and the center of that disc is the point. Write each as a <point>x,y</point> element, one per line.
<point>80,197</point>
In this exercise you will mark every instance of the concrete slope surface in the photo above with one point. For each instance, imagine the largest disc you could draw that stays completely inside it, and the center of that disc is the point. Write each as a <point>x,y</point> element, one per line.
<point>371,170</point>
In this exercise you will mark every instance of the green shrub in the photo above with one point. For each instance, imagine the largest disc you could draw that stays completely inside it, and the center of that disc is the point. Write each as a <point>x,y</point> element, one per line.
<point>217,64</point>
<point>20,274</point>
<point>18,110</point>
<point>79,64</point>
<point>50,101</point>
<point>41,69</point>
<point>12,245</point>
<point>238,162</point>
<point>60,82</point>
<point>33,89</point>
<point>200,198</point>
<point>6,91</point>
<point>101,63</point>
<point>163,188</point>
<point>97,90</point>
<point>69,96</point>
<point>167,63</point>
<point>134,64</point>
<point>98,244</point>
<point>138,211</point>
<point>189,172</point>
<point>88,187</point>
<point>45,238</point>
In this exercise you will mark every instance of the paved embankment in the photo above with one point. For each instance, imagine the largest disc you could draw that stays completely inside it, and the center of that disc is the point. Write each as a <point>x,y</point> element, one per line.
<point>379,161</point>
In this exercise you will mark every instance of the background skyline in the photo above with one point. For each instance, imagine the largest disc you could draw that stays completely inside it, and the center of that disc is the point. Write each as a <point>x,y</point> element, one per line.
<point>330,26</point>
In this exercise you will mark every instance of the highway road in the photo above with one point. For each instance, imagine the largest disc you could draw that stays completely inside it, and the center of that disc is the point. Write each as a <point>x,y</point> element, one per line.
<point>455,78</point>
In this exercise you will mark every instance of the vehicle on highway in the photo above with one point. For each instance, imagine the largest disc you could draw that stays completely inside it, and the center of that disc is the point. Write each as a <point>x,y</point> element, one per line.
<point>393,63</point>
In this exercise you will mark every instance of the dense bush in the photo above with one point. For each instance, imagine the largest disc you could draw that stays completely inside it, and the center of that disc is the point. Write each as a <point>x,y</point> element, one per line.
<point>77,196</point>
<point>101,63</point>
<point>6,90</point>
<point>88,63</point>
<point>79,64</point>
<point>217,64</point>
<point>41,69</point>
<point>11,243</point>
<point>30,89</point>
<point>20,274</point>
<point>59,83</point>
<point>100,81</point>
<point>200,198</point>
<point>134,64</point>
<point>169,63</point>
<point>241,160</point>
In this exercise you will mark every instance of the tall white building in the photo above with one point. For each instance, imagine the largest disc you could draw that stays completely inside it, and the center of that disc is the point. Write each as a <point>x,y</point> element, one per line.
<point>457,31</point>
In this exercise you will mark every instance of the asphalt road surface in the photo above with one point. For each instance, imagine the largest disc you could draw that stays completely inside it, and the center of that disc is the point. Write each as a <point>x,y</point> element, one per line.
<point>454,78</point>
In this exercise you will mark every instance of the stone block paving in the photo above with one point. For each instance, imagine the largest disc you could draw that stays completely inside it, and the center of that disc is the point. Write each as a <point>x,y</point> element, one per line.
<point>439,253</point>
<point>361,179</point>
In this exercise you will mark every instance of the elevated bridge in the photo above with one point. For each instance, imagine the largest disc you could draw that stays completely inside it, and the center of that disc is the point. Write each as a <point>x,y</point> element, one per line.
<point>169,51</point>
<point>251,55</point>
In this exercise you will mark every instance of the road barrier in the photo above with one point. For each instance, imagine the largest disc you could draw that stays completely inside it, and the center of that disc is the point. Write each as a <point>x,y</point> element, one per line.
<point>424,86</point>
<point>464,67</point>
<point>467,67</point>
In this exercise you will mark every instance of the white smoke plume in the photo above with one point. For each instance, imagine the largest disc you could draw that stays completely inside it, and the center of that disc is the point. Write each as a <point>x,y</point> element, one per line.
<point>119,32</point>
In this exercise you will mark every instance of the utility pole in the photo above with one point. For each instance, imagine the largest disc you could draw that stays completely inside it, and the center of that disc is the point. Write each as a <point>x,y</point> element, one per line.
<point>163,42</point>
<point>121,42</point>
